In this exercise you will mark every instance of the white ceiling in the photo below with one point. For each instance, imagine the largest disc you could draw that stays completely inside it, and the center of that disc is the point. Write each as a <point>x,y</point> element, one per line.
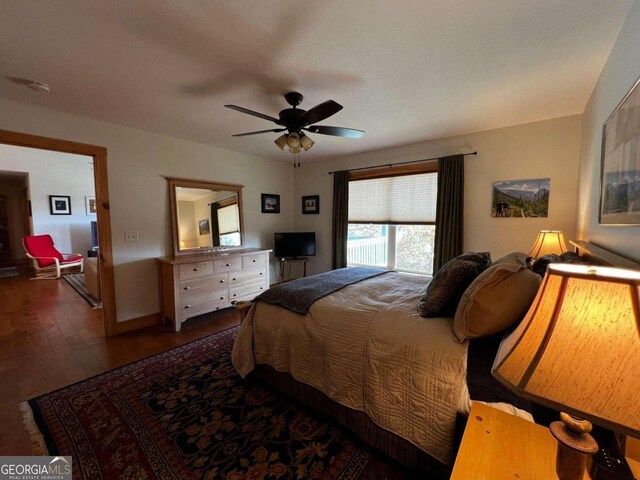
<point>405,71</point>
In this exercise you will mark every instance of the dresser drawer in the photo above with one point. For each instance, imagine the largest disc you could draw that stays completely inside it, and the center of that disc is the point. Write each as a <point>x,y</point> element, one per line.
<point>247,291</point>
<point>248,275</point>
<point>228,264</point>
<point>195,270</point>
<point>257,260</point>
<point>198,304</point>
<point>198,286</point>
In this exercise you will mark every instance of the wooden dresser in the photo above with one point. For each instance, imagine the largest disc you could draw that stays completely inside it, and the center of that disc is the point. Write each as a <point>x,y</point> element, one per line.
<point>195,284</point>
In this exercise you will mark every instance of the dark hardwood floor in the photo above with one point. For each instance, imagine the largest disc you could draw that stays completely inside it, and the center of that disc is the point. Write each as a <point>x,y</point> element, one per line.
<point>51,337</point>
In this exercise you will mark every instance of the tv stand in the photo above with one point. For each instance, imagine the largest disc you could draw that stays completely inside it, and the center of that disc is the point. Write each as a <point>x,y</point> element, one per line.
<point>290,261</point>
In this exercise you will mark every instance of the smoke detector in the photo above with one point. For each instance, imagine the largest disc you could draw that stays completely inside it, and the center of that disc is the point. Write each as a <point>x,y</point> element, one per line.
<point>39,87</point>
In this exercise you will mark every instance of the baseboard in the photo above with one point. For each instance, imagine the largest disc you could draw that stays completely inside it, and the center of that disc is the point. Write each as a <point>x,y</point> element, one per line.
<point>138,323</point>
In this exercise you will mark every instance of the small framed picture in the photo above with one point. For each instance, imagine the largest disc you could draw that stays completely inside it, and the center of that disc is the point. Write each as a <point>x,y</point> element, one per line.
<point>203,227</point>
<point>311,204</point>
<point>60,204</point>
<point>270,203</point>
<point>90,205</point>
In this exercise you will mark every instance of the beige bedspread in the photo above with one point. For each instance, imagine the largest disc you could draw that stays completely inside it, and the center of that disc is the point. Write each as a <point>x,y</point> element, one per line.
<point>367,348</point>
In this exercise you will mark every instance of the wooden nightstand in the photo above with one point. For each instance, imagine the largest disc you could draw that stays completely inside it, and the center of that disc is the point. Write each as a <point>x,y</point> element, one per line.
<point>498,446</point>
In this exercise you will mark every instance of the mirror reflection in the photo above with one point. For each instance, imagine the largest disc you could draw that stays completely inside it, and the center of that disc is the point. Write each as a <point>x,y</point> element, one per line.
<point>206,218</point>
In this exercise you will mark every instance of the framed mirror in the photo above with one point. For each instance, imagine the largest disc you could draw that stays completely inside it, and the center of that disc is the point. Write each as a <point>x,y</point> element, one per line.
<point>205,216</point>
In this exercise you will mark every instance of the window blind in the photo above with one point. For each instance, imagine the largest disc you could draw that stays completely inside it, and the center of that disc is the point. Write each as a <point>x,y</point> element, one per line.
<point>228,220</point>
<point>407,199</point>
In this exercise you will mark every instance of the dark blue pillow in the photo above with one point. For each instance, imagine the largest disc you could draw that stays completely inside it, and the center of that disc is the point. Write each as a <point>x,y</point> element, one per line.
<point>447,286</point>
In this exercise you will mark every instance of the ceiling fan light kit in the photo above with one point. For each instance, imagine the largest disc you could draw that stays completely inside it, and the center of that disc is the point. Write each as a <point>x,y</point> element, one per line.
<point>295,120</point>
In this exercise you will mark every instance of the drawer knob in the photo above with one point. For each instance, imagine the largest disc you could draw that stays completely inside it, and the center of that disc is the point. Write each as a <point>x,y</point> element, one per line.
<point>227,264</point>
<point>235,294</point>
<point>254,260</point>
<point>196,269</point>
<point>260,273</point>
<point>234,279</point>
<point>221,281</point>
<point>261,288</point>
<point>187,288</point>
<point>221,298</point>
<point>187,306</point>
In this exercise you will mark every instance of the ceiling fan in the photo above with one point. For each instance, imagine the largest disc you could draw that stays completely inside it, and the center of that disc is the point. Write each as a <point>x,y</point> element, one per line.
<point>297,121</point>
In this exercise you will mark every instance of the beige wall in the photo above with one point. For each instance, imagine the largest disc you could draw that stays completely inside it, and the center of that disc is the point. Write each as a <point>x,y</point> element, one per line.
<point>536,150</point>
<point>186,224</point>
<point>138,162</point>
<point>621,71</point>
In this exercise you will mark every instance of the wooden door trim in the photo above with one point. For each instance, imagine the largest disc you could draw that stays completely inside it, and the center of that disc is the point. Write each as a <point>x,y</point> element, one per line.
<point>99,154</point>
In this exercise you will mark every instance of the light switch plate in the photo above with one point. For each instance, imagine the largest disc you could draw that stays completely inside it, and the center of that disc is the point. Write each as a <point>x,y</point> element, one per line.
<point>130,236</point>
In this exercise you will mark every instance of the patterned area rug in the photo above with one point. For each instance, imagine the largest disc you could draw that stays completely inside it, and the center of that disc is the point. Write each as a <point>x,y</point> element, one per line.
<point>76,280</point>
<point>187,414</point>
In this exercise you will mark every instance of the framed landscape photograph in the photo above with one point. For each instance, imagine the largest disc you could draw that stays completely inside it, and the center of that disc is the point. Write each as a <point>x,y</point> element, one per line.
<point>90,205</point>
<point>60,204</point>
<point>620,169</point>
<point>311,204</point>
<point>521,198</point>
<point>270,203</point>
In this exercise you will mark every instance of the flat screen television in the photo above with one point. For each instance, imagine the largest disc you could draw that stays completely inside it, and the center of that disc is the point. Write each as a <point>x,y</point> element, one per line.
<point>294,244</point>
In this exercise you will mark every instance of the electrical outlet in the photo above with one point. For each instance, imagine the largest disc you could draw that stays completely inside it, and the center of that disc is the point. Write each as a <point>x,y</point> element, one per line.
<point>130,236</point>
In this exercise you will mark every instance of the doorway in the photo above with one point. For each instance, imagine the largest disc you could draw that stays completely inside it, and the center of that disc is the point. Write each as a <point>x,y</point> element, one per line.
<point>103,216</point>
<point>14,218</point>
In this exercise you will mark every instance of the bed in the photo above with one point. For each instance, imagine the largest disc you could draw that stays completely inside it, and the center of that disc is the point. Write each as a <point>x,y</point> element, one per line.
<point>366,357</point>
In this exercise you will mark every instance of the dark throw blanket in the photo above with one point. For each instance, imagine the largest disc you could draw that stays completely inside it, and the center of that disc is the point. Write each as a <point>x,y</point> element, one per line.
<point>298,295</point>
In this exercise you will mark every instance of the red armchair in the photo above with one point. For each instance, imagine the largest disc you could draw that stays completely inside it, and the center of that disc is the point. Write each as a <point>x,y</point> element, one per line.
<point>48,262</point>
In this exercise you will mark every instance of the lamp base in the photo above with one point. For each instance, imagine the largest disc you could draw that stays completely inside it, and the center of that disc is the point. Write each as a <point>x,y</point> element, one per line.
<point>574,444</point>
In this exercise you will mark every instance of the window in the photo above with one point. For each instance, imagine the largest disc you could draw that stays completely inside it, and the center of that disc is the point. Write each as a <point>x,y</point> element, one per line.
<point>229,225</point>
<point>392,220</point>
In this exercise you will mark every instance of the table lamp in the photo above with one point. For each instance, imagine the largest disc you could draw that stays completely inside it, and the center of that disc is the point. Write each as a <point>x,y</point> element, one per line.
<point>547,242</point>
<point>578,351</point>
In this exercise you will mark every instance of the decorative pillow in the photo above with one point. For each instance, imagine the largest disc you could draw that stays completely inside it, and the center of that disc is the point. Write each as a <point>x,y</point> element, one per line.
<point>541,264</point>
<point>497,299</point>
<point>450,282</point>
<point>516,258</point>
<point>572,257</point>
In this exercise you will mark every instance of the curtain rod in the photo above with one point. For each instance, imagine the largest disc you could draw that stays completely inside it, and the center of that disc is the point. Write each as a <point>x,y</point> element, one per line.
<point>400,163</point>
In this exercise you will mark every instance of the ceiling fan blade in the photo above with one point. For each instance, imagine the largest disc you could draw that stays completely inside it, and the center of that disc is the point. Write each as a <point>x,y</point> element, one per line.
<point>275,130</point>
<point>336,131</point>
<point>320,112</point>
<point>255,114</point>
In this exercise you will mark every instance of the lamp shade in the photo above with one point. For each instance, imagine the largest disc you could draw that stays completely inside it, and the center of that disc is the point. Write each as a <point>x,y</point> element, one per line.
<point>578,348</point>
<point>281,142</point>
<point>547,242</point>
<point>306,142</point>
